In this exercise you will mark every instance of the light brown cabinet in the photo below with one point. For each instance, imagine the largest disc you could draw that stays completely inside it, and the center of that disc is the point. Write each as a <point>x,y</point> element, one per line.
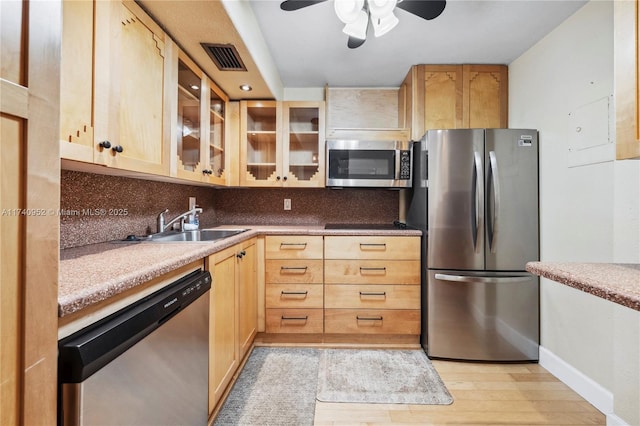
<point>282,144</point>
<point>453,97</point>
<point>233,313</point>
<point>198,134</point>
<point>294,284</point>
<point>113,86</point>
<point>627,78</point>
<point>246,276</point>
<point>372,285</point>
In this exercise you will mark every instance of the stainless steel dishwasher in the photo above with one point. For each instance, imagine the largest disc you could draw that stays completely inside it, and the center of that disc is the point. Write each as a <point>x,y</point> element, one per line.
<point>146,364</point>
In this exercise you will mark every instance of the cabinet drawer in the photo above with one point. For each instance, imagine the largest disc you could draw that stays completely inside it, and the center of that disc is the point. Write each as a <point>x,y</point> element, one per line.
<point>372,321</point>
<point>372,296</point>
<point>372,247</point>
<point>294,296</point>
<point>372,272</point>
<point>294,321</point>
<point>294,271</point>
<point>293,247</point>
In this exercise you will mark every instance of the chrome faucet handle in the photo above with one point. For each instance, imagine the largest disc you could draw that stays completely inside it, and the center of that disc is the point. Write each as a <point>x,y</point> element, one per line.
<point>160,221</point>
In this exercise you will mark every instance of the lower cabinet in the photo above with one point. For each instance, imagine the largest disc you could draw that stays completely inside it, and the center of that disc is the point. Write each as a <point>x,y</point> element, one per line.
<point>294,284</point>
<point>343,285</point>
<point>372,285</point>
<point>233,313</point>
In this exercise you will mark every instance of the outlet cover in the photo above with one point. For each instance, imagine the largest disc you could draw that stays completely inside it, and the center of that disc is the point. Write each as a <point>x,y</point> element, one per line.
<point>287,203</point>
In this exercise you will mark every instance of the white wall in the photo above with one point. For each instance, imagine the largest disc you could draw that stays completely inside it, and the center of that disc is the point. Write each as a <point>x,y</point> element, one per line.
<point>588,213</point>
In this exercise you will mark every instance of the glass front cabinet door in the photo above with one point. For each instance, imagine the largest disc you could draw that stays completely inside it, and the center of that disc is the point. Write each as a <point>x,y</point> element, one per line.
<point>198,138</point>
<point>282,144</point>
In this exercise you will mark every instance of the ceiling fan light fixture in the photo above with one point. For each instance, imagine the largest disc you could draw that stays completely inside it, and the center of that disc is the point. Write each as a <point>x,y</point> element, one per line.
<point>381,8</point>
<point>383,25</point>
<point>348,11</point>
<point>357,28</point>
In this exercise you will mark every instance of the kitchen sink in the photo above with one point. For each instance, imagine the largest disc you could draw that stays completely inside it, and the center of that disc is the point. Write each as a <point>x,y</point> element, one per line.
<point>204,235</point>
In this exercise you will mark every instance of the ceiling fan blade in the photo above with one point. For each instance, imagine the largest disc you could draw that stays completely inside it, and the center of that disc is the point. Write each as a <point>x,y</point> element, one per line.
<point>426,9</point>
<point>353,42</point>
<point>290,5</point>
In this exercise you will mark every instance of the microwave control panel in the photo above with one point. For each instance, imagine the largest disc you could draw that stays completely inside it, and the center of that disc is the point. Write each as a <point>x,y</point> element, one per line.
<point>405,165</point>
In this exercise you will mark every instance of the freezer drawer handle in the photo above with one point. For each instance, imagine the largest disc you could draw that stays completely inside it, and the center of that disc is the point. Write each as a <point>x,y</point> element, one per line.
<point>293,293</point>
<point>298,269</point>
<point>482,280</point>
<point>293,246</point>
<point>373,293</point>
<point>304,318</point>
<point>359,318</point>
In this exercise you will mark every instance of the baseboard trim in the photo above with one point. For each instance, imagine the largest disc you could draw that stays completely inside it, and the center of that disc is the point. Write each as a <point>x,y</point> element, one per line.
<point>594,393</point>
<point>613,420</point>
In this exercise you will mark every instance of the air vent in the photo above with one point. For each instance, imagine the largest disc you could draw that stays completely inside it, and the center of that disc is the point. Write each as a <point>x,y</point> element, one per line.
<point>225,56</point>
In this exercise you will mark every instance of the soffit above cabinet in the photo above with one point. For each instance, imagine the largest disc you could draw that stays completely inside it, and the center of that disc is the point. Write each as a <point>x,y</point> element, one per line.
<point>194,22</point>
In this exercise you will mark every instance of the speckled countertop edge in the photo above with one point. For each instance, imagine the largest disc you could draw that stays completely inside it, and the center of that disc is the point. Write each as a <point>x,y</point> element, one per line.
<point>94,273</point>
<point>618,283</point>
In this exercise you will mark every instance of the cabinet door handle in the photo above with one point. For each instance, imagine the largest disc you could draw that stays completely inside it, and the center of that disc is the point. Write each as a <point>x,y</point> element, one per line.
<point>293,293</point>
<point>118,148</point>
<point>105,144</point>
<point>293,246</point>
<point>373,293</point>
<point>304,318</point>
<point>359,318</point>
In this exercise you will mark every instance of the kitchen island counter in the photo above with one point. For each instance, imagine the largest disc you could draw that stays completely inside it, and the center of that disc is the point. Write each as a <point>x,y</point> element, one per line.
<point>618,283</point>
<point>94,273</point>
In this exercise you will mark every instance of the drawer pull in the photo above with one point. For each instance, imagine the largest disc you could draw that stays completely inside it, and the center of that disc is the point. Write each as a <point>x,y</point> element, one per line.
<point>359,318</point>
<point>293,246</point>
<point>293,293</point>
<point>373,293</point>
<point>304,318</point>
<point>365,269</point>
<point>301,269</point>
<point>378,246</point>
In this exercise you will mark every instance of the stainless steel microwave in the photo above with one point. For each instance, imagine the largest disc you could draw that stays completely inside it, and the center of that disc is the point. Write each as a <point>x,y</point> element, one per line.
<point>376,164</point>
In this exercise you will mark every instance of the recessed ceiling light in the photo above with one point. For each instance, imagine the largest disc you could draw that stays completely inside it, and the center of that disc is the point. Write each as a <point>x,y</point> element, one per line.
<point>195,87</point>
<point>246,88</point>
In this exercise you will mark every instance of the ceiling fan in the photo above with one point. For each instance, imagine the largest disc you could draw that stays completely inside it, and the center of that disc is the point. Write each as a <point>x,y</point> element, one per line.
<point>359,15</point>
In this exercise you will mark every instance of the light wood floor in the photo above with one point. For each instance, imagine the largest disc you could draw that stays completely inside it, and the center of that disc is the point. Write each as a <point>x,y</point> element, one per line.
<point>484,394</point>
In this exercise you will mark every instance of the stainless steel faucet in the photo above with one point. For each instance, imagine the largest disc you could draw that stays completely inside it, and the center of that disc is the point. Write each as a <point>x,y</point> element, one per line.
<point>162,226</point>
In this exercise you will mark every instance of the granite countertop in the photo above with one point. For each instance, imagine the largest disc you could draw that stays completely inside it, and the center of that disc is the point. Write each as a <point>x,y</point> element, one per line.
<point>94,273</point>
<point>616,282</point>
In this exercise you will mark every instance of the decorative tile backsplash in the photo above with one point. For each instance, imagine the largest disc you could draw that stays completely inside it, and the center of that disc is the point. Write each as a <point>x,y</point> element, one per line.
<point>97,208</point>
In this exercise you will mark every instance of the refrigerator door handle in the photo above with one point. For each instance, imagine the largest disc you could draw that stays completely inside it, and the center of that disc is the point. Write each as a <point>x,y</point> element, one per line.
<point>482,280</point>
<point>494,182</point>
<point>477,210</point>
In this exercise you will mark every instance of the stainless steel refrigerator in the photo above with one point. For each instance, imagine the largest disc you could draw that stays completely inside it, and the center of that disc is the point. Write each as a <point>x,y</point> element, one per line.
<point>475,196</point>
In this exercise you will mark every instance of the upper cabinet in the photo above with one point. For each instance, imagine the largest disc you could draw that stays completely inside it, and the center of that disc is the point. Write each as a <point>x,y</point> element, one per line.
<point>116,48</point>
<point>132,99</point>
<point>282,144</point>
<point>197,133</point>
<point>76,81</point>
<point>453,97</point>
<point>627,78</point>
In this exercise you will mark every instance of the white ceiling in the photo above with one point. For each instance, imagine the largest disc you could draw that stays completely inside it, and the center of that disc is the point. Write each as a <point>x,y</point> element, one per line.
<point>310,50</point>
<point>307,49</point>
